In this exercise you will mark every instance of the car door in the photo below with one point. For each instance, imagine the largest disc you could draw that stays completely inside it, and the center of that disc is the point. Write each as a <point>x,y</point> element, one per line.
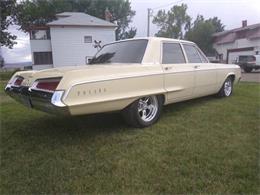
<point>205,72</point>
<point>178,75</point>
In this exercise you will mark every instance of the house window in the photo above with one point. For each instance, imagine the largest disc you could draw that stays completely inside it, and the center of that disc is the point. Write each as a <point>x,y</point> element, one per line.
<point>87,39</point>
<point>42,58</point>
<point>40,34</point>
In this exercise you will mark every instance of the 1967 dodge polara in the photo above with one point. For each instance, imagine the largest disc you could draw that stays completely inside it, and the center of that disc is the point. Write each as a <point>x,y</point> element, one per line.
<point>135,76</point>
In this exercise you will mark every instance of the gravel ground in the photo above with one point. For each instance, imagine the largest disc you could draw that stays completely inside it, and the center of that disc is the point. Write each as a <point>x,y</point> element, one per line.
<point>253,76</point>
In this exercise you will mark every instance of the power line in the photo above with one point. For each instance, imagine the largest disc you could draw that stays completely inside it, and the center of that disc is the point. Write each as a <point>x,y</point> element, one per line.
<point>150,10</point>
<point>166,5</point>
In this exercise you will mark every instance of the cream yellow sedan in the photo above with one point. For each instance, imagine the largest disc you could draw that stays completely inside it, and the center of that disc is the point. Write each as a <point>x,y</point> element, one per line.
<point>135,76</point>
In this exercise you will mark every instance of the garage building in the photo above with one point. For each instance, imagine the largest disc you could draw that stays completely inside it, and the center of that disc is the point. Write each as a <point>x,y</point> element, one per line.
<point>236,42</point>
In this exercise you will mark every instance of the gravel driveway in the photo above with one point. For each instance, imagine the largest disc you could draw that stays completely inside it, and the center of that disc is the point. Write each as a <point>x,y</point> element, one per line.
<point>253,76</point>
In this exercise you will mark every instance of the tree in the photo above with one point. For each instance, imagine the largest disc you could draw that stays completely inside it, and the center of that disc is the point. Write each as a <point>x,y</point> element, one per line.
<point>173,23</point>
<point>39,12</point>
<point>2,62</point>
<point>219,27</point>
<point>201,33</point>
<point>7,12</point>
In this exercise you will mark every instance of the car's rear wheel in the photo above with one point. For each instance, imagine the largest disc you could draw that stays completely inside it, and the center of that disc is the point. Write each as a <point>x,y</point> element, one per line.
<point>144,111</point>
<point>227,88</point>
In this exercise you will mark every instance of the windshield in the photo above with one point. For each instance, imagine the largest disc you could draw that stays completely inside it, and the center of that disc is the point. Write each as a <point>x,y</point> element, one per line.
<point>121,52</point>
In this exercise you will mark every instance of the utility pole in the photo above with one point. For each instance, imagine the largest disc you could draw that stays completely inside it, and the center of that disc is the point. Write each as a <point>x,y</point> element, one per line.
<point>148,21</point>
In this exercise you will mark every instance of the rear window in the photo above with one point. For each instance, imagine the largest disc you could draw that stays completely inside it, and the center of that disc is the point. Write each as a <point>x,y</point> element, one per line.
<point>172,54</point>
<point>121,52</point>
<point>192,53</point>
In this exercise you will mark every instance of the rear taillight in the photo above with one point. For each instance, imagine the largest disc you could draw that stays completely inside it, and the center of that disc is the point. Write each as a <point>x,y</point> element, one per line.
<point>17,81</point>
<point>48,85</point>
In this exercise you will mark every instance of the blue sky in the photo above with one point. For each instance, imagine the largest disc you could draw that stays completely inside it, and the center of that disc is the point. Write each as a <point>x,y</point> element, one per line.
<point>231,13</point>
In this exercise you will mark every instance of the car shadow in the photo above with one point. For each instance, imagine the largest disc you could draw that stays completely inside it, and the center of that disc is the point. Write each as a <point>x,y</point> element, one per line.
<point>86,126</point>
<point>180,106</point>
<point>95,124</point>
<point>44,129</point>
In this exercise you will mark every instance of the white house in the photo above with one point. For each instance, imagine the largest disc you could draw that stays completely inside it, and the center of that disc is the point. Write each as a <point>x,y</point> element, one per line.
<point>69,41</point>
<point>239,41</point>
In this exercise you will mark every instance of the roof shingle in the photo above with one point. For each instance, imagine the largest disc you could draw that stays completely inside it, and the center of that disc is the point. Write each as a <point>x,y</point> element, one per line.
<point>79,19</point>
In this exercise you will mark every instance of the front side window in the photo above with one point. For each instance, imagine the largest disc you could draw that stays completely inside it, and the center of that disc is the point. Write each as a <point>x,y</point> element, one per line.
<point>121,52</point>
<point>192,53</point>
<point>40,34</point>
<point>172,54</point>
<point>42,58</point>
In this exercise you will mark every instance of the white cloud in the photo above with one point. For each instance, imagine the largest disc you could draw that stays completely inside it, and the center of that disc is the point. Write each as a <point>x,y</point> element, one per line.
<point>231,12</point>
<point>21,51</point>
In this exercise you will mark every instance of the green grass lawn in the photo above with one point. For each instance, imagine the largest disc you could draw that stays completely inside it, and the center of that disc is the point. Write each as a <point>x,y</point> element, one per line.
<point>207,145</point>
<point>6,75</point>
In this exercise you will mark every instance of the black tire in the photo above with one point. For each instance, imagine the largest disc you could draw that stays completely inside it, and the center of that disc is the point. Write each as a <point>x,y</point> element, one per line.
<point>248,70</point>
<point>132,115</point>
<point>223,92</point>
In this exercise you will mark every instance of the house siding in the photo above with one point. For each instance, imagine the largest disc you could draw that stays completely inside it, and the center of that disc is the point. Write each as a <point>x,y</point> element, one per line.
<point>237,44</point>
<point>69,48</point>
<point>40,46</point>
<point>239,41</point>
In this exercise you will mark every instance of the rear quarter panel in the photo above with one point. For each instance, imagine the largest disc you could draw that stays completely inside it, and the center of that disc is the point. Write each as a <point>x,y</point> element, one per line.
<point>113,91</point>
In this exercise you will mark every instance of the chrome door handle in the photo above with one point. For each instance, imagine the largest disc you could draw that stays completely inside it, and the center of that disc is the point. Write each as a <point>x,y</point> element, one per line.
<point>196,66</point>
<point>168,68</point>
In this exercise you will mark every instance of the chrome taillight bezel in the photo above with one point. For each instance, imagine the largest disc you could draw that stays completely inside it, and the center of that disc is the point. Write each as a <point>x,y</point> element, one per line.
<point>46,80</point>
<point>14,80</point>
<point>56,98</point>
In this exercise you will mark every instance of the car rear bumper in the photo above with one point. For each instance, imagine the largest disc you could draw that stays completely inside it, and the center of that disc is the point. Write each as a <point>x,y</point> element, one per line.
<point>35,99</point>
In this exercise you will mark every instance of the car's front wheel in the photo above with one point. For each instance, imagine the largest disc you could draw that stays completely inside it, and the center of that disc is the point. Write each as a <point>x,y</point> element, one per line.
<point>227,88</point>
<point>144,111</point>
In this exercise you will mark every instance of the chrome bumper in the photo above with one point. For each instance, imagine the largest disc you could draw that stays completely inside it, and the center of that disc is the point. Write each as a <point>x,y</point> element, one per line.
<point>35,99</point>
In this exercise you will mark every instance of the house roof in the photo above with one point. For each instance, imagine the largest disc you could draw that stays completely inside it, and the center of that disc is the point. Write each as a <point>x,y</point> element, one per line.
<point>249,27</point>
<point>79,19</point>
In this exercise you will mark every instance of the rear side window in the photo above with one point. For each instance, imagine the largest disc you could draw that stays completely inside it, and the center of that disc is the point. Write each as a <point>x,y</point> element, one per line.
<point>192,53</point>
<point>172,54</point>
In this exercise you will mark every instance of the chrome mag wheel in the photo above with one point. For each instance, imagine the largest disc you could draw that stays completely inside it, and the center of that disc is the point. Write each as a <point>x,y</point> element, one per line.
<point>147,108</point>
<point>228,87</point>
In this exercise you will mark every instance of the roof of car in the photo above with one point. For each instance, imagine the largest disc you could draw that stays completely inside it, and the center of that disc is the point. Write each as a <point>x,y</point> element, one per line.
<point>159,39</point>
